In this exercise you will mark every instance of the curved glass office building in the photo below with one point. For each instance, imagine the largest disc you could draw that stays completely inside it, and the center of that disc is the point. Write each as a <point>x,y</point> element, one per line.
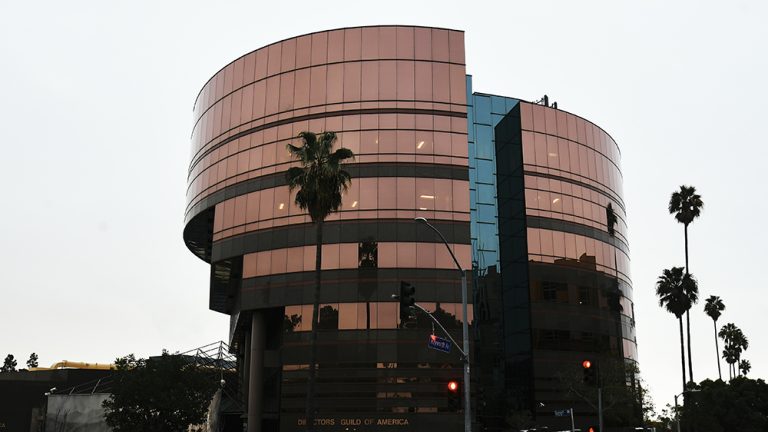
<point>519,191</point>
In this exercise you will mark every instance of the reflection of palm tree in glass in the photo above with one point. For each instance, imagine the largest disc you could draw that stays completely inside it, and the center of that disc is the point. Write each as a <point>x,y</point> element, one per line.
<point>448,320</point>
<point>613,295</point>
<point>368,262</point>
<point>290,323</point>
<point>329,318</point>
<point>368,253</point>
<point>610,217</point>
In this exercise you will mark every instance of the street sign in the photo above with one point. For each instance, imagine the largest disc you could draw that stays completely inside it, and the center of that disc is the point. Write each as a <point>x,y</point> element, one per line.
<point>562,413</point>
<point>439,344</point>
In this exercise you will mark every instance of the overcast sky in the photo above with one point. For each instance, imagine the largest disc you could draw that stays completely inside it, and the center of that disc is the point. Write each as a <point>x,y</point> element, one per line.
<point>95,117</point>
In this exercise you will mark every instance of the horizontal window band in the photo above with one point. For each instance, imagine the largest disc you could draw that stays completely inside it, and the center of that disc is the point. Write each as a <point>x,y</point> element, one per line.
<point>619,201</point>
<point>344,231</point>
<point>330,63</point>
<point>369,170</point>
<point>575,228</point>
<point>354,255</point>
<point>199,156</point>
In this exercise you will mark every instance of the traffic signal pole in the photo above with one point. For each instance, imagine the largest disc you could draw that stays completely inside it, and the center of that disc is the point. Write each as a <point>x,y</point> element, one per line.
<point>465,330</point>
<point>464,327</point>
<point>600,407</point>
<point>592,376</point>
<point>599,399</point>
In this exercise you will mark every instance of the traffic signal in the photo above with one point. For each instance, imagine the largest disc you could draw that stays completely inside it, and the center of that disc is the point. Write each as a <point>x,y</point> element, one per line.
<point>592,429</point>
<point>590,374</point>
<point>407,300</point>
<point>454,395</point>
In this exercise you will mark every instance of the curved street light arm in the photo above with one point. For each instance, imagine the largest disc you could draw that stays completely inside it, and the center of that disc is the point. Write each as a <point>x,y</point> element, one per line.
<point>425,222</point>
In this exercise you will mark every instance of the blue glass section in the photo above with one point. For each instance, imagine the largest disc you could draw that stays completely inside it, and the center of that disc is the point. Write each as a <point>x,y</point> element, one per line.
<point>484,141</point>
<point>483,113</point>
<point>498,104</point>
<point>486,213</point>
<point>482,109</point>
<point>486,169</point>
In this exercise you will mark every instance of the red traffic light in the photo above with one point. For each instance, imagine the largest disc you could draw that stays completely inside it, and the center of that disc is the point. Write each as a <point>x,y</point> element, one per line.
<point>586,364</point>
<point>591,429</point>
<point>433,337</point>
<point>453,386</point>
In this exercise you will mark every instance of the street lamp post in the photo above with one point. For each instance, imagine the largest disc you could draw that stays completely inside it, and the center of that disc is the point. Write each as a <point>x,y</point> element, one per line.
<point>677,414</point>
<point>464,327</point>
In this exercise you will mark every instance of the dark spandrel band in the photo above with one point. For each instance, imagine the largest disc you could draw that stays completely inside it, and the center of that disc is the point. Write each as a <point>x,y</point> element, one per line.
<point>380,230</point>
<point>578,229</point>
<point>349,285</point>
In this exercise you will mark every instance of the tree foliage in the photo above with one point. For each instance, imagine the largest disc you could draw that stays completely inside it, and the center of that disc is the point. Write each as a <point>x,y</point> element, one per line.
<point>739,405</point>
<point>714,307</point>
<point>165,393</point>
<point>320,179</point>
<point>32,361</point>
<point>685,204</point>
<point>625,401</point>
<point>9,365</point>
<point>744,367</point>
<point>676,290</point>
<point>735,344</point>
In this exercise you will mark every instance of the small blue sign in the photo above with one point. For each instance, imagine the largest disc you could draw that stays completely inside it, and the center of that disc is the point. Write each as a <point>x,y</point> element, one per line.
<point>562,413</point>
<point>438,343</point>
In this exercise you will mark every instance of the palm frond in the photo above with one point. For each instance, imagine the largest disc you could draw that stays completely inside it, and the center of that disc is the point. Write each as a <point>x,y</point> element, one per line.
<point>674,291</point>
<point>686,204</point>
<point>320,179</point>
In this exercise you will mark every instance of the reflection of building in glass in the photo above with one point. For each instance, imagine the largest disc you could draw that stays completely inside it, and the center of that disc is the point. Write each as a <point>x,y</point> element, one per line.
<point>519,189</point>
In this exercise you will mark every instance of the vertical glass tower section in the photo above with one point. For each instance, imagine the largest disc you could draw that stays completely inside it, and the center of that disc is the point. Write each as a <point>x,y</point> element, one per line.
<point>484,113</point>
<point>548,214</point>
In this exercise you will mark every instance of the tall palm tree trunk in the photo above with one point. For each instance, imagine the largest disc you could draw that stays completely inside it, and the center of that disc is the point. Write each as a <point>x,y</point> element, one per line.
<point>685,230</point>
<point>682,349</point>
<point>688,312</point>
<point>717,352</point>
<point>310,411</point>
<point>688,330</point>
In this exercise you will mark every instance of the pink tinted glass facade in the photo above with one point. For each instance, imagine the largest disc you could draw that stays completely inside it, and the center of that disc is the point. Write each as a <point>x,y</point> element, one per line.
<point>572,173</point>
<point>395,96</point>
<point>358,82</point>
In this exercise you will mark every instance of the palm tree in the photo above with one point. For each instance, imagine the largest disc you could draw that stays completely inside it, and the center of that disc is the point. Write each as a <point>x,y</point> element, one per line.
<point>686,205</point>
<point>741,343</point>
<point>671,288</point>
<point>714,308</point>
<point>745,367</point>
<point>320,181</point>
<point>735,343</point>
<point>730,355</point>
